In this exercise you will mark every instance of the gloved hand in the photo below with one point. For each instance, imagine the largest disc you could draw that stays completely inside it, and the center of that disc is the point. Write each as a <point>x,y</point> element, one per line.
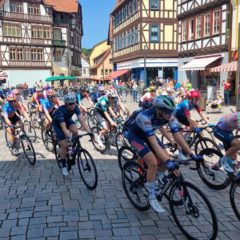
<point>197,130</point>
<point>170,165</point>
<point>197,158</point>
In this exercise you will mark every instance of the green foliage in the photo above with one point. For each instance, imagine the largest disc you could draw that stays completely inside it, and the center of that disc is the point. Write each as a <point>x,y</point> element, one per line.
<point>86,51</point>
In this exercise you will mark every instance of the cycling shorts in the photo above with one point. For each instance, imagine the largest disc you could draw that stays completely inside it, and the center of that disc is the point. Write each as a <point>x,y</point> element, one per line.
<point>224,136</point>
<point>141,144</point>
<point>101,119</point>
<point>58,130</point>
<point>14,119</point>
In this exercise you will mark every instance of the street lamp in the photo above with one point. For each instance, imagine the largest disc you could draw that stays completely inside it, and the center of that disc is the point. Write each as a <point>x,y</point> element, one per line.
<point>145,71</point>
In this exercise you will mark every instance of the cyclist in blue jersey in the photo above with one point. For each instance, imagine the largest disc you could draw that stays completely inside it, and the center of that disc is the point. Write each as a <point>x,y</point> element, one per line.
<point>141,135</point>
<point>11,112</point>
<point>82,94</point>
<point>49,104</point>
<point>64,126</point>
<point>99,92</point>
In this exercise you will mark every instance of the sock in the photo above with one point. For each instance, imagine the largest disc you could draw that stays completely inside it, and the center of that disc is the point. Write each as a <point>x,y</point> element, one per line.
<point>63,162</point>
<point>151,190</point>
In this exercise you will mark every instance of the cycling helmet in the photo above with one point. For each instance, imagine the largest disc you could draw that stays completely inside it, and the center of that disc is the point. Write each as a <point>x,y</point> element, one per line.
<point>111,93</point>
<point>69,98</point>
<point>193,94</point>
<point>15,92</point>
<point>50,92</point>
<point>152,89</point>
<point>38,89</point>
<point>11,97</point>
<point>83,89</point>
<point>101,89</point>
<point>147,103</point>
<point>164,102</point>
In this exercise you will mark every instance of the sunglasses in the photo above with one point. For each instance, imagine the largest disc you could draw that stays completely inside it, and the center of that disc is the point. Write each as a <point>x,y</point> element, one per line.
<point>13,101</point>
<point>71,104</point>
<point>52,97</point>
<point>167,111</point>
<point>17,94</point>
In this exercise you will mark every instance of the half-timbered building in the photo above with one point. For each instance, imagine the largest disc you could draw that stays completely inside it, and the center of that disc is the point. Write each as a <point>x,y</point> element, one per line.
<point>25,40</point>
<point>144,36</point>
<point>67,35</point>
<point>204,38</point>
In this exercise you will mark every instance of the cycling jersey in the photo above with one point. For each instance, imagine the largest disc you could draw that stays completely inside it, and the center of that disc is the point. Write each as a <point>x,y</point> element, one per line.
<point>183,108</point>
<point>229,122</point>
<point>9,110</point>
<point>102,105</point>
<point>49,105</point>
<point>38,97</point>
<point>81,96</point>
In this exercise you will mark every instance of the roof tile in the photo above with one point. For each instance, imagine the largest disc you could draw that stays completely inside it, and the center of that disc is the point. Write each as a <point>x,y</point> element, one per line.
<point>67,6</point>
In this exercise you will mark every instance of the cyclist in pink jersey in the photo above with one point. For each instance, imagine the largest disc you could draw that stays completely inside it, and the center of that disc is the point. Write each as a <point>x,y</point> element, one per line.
<point>224,132</point>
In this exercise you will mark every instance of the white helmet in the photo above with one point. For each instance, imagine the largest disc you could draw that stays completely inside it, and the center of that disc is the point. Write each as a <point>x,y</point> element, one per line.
<point>111,93</point>
<point>69,98</point>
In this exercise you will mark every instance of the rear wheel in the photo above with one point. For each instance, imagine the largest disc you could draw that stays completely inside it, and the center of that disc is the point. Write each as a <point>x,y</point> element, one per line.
<point>98,147</point>
<point>215,179</point>
<point>47,138</point>
<point>195,212</point>
<point>56,150</point>
<point>126,154</point>
<point>235,197</point>
<point>28,149</point>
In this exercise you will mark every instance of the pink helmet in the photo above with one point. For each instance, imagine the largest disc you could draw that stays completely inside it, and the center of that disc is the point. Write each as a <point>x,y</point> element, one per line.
<point>193,94</point>
<point>50,92</point>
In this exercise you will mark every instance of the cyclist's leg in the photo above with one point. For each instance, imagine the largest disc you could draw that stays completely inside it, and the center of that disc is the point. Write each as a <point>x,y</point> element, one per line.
<point>73,129</point>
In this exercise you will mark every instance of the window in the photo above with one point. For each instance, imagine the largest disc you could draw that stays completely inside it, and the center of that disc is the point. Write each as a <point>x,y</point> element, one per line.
<point>130,9</point>
<point>41,32</point>
<point>216,22</point>
<point>198,27</point>
<point>34,9</point>
<point>106,71</point>
<point>154,34</point>
<point>57,34</point>
<point>12,30</point>
<point>21,54</point>
<point>102,72</point>
<point>136,35</point>
<point>110,71</point>
<point>206,24</point>
<point>16,7</point>
<point>57,56</point>
<point>184,31</point>
<point>154,4</point>
<point>191,29</point>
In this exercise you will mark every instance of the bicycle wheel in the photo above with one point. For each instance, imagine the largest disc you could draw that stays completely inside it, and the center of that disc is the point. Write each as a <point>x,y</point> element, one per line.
<point>194,214</point>
<point>28,149</point>
<point>126,154</point>
<point>1,123</point>
<point>47,139</point>
<point>120,141</point>
<point>235,197</point>
<point>168,146</point>
<point>87,169</point>
<point>215,179</point>
<point>30,131</point>
<point>34,119</point>
<point>133,180</point>
<point>56,150</point>
<point>102,149</point>
<point>205,143</point>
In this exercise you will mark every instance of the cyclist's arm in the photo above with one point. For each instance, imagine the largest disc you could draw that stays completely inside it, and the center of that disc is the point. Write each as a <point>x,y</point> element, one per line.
<point>89,100</point>
<point>64,129</point>
<point>203,116</point>
<point>83,109</point>
<point>108,117</point>
<point>165,133</point>
<point>8,122</point>
<point>112,112</point>
<point>47,115</point>
<point>83,123</point>
<point>178,137</point>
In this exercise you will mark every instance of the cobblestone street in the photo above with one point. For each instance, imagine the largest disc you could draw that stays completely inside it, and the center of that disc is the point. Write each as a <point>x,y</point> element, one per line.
<point>39,203</point>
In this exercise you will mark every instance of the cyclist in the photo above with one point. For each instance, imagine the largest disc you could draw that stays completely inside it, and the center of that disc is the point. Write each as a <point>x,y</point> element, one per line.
<point>49,104</point>
<point>11,111</point>
<point>80,96</point>
<point>98,92</point>
<point>37,98</point>
<point>224,132</point>
<point>105,114</point>
<point>64,126</point>
<point>23,106</point>
<point>146,100</point>
<point>141,135</point>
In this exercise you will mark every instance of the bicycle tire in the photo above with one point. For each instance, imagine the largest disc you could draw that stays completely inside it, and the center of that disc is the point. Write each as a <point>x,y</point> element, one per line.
<point>30,131</point>
<point>136,186</point>
<point>193,210</point>
<point>96,130</point>
<point>29,145</point>
<point>214,181</point>
<point>85,166</point>
<point>232,195</point>
<point>120,141</point>
<point>47,140</point>
<point>123,159</point>
<point>203,143</point>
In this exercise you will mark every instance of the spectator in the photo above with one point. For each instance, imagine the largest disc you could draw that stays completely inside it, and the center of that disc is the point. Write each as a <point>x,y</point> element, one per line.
<point>135,91</point>
<point>188,85</point>
<point>227,89</point>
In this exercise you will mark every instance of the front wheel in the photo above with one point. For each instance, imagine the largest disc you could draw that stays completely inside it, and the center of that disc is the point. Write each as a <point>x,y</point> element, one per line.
<point>215,179</point>
<point>205,143</point>
<point>235,197</point>
<point>87,169</point>
<point>28,149</point>
<point>195,212</point>
<point>30,131</point>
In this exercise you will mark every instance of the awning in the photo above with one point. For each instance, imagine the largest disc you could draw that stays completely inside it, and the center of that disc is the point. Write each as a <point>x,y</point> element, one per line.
<point>118,73</point>
<point>199,64</point>
<point>58,78</point>
<point>227,67</point>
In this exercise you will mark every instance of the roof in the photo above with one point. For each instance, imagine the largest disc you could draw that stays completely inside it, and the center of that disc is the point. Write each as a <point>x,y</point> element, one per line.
<point>118,5</point>
<point>67,6</point>
<point>105,55</point>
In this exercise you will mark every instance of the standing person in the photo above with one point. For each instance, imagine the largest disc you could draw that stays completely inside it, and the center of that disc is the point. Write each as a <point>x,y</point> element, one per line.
<point>227,89</point>
<point>40,84</point>
<point>135,91</point>
<point>188,85</point>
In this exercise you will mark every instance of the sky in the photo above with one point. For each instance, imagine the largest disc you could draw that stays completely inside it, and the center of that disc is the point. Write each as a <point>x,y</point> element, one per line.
<point>95,20</point>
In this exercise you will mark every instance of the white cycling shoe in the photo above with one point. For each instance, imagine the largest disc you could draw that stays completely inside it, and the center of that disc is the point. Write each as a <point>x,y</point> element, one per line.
<point>64,171</point>
<point>155,205</point>
<point>99,141</point>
